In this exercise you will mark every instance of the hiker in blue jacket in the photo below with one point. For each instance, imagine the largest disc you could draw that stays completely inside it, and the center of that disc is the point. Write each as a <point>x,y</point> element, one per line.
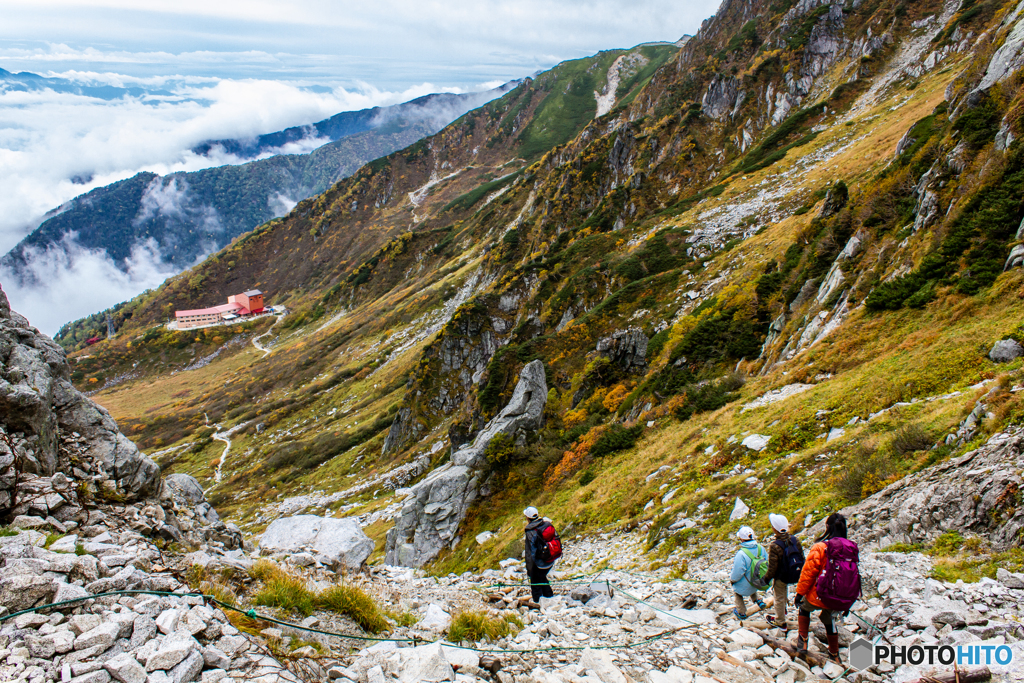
<point>749,551</point>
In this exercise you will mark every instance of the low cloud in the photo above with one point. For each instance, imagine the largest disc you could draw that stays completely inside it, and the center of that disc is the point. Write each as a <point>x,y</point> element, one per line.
<point>55,146</point>
<point>67,282</point>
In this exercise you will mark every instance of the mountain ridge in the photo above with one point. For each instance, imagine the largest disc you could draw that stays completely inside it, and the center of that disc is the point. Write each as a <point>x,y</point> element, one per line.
<point>773,271</point>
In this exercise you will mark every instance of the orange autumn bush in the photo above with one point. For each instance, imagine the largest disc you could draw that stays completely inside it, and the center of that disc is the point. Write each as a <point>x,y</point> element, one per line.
<point>573,459</point>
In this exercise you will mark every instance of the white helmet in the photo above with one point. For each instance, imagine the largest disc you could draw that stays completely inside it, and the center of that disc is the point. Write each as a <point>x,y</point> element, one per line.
<point>778,522</point>
<point>745,534</point>
<point>531,512</point>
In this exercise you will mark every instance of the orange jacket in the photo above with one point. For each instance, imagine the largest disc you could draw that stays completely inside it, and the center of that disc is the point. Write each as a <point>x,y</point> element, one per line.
<point>813,564</point>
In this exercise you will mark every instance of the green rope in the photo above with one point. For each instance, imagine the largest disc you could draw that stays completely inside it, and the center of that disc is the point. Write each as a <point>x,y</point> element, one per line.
<point>73,601</point>
<point>254,615</point>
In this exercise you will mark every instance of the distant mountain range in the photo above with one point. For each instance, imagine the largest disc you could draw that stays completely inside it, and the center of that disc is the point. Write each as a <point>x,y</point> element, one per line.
<point>185,215</point>
<point>26,81</point>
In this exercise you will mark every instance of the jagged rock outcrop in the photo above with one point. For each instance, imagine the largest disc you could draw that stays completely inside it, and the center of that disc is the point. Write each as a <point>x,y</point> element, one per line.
<point>628,348</point>
<point>338,543</point>
<point>38,405</point>
<point>436,506</point>
<point>979,492</point>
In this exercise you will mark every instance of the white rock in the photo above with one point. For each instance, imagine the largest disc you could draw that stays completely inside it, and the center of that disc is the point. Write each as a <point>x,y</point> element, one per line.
<point>167,622</point>
<point>105,634</point>
<point>126,669</point>
<point>745,638</point>
<point>435,618</point>
<point>484,536</point>
<point>175,648</point>
<point>601,664</point>
<point>338,542</point>
<point>756,442</point>
<point>739,510</point>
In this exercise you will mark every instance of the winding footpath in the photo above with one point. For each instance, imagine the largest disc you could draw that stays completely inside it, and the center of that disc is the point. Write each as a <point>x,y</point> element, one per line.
<point>224,436</point>
<point>260,347</point>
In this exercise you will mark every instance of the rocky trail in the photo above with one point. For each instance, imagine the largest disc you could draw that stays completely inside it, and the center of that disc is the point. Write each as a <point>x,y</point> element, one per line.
<point>608,622</point>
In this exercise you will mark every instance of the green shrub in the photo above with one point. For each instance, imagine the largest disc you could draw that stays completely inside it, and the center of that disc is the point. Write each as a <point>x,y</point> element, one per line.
<point>501,450</point>
<point>587,477</point>
<point>616,438</point>
<point>356,604</point>
<point>865,472</point>
<point>477,626</point>
<point>285,592</point>
<point>911,438</point>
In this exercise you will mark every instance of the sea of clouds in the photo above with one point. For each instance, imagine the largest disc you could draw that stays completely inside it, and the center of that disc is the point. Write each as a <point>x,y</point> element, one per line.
<point>56,145</point>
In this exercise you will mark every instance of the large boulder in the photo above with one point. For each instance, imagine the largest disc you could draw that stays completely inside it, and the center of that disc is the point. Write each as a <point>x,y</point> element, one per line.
<point>38,404</point>
<point>975,493</point>
<point>338,543</point>
<point>1005,350</point>
<point>430,518</point>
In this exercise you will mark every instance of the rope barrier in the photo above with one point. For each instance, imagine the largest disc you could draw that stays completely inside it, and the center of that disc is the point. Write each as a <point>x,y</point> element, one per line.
<point>253,614</point>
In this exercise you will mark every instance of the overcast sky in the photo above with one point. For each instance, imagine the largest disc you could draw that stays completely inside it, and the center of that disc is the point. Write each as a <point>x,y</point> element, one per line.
<point>391,44</point>
<point>214,69</point>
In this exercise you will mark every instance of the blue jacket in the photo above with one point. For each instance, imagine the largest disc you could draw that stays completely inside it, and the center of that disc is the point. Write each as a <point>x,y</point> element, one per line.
<point>741,565</point>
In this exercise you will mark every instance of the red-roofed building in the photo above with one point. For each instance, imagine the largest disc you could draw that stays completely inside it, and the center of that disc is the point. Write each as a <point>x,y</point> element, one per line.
<point>243,304</point>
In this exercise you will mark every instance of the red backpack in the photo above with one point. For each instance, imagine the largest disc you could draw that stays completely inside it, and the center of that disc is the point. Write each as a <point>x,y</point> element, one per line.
<point>552,548</point>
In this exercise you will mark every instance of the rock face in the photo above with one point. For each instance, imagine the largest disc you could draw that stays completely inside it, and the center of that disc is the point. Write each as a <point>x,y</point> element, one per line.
<point>628,348</point>
<point>975,493</point>
<point>338,543</point>
<point>431,516</point>
<point>1005,350</point>
<point>38,405</point>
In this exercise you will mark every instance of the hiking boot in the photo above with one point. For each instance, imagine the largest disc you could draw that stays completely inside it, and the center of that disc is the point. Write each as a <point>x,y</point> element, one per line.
<point>760,603</point>
<point>774,622</point>
<point>738,614</point>
<point>834,657</point>
<point>801,646</point>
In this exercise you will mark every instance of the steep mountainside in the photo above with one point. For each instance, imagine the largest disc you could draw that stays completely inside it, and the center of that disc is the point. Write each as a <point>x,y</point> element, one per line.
<point>183,216</point>
<point>769,268</point>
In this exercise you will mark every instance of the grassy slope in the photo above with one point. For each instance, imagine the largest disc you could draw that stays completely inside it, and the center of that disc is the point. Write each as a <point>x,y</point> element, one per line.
<point>875,359</point>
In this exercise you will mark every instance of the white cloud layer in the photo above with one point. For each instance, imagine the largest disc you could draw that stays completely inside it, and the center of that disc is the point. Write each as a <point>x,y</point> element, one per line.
<point>81,281</point>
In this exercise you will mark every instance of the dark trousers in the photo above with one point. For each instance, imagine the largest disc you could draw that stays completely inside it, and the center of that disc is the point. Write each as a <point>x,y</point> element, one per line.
<point>539,585</point>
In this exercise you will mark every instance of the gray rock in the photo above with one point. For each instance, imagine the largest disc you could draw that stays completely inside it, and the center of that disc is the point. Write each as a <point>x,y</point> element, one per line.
<point>1005,350</point>
<point>22,591</point>
<point>175,648</point>
<point>183,488</point>
<point>430,518</point>
<point>1016,257</point>
<point>103,635</point>
<point>338,543</point>
<point>966,494</point>
<point>126,669</point>
<point>98,676</point>
<point>216,658</point>
<point>189,669</point>
<point>627,348</point>
<point>1010,579</point>
<point>38,400</point>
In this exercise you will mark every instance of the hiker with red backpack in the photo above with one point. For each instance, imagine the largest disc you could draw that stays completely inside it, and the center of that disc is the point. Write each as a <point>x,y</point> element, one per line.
<point>829,582</point>
<point>543,547</point>
<point>785,562</point>
<point>748,569</point>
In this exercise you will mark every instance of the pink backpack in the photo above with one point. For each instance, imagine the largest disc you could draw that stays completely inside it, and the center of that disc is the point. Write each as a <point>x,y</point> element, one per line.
<point>838,584</point>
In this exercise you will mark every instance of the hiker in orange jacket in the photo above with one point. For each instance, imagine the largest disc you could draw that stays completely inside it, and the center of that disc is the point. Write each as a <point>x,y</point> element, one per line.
<point>807,600</point>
